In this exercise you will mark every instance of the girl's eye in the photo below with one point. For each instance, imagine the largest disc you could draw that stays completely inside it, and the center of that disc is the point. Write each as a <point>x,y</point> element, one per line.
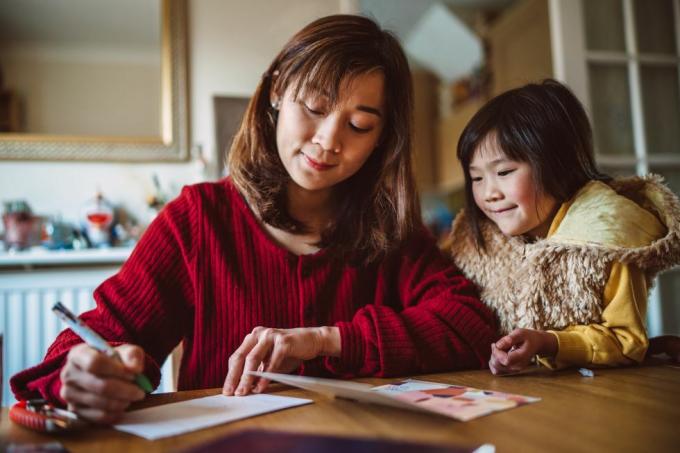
<point>505,172</point>
<point>476,178</point>
<point>360,130</point>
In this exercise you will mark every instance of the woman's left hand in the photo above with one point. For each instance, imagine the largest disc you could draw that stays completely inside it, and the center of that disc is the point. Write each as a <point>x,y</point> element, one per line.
<point>277,351</point>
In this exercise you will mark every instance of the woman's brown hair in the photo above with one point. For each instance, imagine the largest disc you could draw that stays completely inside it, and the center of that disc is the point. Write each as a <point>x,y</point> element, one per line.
<point>378,207</point>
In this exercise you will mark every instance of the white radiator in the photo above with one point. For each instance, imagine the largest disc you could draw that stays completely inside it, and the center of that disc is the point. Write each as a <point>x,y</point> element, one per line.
<point>26,319</point>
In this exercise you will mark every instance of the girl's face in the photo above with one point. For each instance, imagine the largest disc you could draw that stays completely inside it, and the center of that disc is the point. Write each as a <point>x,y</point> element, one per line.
<point>505,191</point>
<point>321,145</point>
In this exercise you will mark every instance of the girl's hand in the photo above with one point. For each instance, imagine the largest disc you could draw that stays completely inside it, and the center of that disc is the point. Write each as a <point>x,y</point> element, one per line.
<point>515,351</point>
<point>99,388</point>
<point>276,350</point>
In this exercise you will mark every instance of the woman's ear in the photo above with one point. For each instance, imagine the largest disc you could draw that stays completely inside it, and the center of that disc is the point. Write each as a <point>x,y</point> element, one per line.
<point>274,100</point>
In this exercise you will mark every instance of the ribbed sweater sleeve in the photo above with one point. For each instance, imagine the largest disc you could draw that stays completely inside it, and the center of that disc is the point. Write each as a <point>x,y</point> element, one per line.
<point>144,304</point>
<point>440,323</point>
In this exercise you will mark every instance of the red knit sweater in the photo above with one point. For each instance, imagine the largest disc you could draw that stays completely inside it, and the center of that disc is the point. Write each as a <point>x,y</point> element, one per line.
<point>206,273</point>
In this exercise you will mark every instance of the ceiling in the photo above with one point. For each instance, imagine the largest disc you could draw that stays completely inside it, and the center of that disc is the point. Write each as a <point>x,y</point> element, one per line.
<point>436,34</point>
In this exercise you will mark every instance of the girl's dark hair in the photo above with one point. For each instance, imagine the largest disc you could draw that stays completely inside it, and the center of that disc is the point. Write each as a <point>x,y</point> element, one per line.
<point>378,207</point>
<point>542,124</point>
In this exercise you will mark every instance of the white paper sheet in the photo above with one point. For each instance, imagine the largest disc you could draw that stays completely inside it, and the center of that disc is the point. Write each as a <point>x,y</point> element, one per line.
<point>179,418</point>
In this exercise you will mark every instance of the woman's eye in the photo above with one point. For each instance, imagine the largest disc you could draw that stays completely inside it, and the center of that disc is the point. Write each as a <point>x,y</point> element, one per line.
<point>313,110</point>
<point>476,178</point>
<point>361,130</point>
<point>505,172</point>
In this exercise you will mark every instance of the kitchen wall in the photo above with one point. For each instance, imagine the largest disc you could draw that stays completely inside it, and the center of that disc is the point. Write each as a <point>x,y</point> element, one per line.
<point>231,42</point>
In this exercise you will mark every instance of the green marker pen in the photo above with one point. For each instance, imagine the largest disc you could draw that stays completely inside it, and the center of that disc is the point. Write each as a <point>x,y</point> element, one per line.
<point>94,340</point>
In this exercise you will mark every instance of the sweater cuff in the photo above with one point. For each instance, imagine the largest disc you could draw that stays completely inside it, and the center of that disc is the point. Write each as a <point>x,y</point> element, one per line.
<point>572,349</point>
<point>351,353</point>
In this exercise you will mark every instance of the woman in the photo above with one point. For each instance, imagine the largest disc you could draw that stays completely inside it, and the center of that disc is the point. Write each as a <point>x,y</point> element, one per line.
<point>311,257</point>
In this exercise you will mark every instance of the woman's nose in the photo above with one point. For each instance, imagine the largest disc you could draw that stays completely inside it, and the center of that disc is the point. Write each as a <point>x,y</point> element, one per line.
<point>328,134</point>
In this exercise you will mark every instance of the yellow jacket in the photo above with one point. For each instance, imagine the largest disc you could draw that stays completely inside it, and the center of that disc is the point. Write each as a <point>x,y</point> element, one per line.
<point>587,282</point>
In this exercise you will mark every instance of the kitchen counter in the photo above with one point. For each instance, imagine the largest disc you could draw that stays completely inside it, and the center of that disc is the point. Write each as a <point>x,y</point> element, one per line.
<point>41,257</point>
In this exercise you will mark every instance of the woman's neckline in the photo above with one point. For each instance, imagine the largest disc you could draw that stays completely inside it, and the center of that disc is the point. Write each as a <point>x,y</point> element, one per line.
<point>260,228</point>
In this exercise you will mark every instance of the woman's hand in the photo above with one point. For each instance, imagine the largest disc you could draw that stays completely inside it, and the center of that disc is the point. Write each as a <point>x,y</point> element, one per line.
<point>515,351</point>
<point>276,350</point>
<point>99,388</point>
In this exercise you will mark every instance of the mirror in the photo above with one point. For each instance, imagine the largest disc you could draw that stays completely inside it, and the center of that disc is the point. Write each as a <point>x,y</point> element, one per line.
<point>93,80</point>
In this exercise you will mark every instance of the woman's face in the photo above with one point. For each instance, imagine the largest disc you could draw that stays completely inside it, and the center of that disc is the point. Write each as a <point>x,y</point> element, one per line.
<point>322,145</point>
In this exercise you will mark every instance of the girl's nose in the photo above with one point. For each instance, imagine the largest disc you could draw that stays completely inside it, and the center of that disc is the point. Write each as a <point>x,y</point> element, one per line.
<point>328,134</point>
<point>492,192</point>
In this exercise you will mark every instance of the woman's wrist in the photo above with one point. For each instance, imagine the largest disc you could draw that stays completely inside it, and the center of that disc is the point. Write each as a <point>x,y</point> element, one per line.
<point>330,341</point>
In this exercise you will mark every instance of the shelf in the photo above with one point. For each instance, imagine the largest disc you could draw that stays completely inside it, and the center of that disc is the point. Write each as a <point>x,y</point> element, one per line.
<point>43,257</point>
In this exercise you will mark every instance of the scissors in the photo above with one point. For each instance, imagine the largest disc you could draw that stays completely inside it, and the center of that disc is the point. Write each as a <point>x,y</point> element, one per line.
<point>39,415</point>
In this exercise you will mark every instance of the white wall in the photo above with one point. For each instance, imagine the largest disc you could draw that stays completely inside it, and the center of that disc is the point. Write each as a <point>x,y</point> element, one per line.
<point>231,42</point>
<point>66,95</point>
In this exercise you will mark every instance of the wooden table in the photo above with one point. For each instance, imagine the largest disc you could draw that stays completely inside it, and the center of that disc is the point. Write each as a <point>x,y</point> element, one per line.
<point>628,409</point>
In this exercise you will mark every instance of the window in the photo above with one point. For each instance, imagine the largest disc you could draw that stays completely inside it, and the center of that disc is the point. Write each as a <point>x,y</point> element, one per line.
<point>622,58</point>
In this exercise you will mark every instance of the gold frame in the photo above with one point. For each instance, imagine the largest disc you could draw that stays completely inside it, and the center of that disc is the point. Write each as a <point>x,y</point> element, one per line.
<point>173,143</point>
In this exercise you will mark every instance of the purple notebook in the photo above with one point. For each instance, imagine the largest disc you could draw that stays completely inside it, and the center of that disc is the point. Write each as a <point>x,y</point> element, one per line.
<point>257,441</point>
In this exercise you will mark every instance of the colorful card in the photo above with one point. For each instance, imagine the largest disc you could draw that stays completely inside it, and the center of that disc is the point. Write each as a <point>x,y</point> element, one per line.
<point>455,401</point>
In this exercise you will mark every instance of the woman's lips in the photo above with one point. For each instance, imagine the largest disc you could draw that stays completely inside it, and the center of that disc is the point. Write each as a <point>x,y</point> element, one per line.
<point>316,165</point>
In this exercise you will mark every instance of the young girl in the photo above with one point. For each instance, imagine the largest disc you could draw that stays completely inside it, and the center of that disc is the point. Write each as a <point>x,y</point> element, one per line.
<point>310,257</point>
<point>562,253</point>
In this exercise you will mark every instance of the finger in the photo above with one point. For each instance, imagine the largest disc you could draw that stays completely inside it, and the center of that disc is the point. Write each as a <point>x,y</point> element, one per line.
<point>499,355</point>
<point>505,343</point>
<point>132,357</point>
<point>492,366</point>
<point>261,386</point>
<point>106,387</point>
<point>85,399</point>
<point>518,360</point>
<point>282,350</point>
<point>88,359</point>
<point>236,362</point>
<point>96,415</point>
<point>496,367</point>
<point>278,355</point>
<point>256,356</point>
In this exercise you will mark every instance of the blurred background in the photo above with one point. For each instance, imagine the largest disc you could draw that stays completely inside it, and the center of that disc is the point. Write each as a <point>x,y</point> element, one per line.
<point>109,107</point>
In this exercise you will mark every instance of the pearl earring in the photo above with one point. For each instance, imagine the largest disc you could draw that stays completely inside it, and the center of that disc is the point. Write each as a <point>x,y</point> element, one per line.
<point>275,105</point>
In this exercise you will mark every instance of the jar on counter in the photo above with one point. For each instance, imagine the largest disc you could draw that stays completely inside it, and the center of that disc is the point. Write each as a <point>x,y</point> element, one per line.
<point>19,223</point>
<point>98,215</point>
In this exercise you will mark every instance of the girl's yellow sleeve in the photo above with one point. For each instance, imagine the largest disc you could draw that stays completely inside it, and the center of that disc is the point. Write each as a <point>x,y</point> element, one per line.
<point>621,337</point>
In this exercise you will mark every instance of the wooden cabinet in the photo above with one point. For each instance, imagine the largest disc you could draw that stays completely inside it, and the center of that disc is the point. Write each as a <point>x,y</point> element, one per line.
<point>425,102</point>
<point>9,112</point>
<point>519,46</point>
<point>450,128</point>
